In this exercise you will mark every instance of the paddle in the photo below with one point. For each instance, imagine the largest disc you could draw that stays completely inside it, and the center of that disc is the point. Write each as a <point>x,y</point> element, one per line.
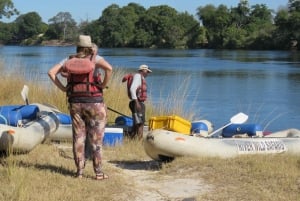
<point>109,108</point>
<point>236,119</point>
<point>24,94</point>
<point>118,112</point>
<point>51,107</point>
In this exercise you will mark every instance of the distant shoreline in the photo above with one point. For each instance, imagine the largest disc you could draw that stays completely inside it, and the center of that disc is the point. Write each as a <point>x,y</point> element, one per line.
<point>56,43</point>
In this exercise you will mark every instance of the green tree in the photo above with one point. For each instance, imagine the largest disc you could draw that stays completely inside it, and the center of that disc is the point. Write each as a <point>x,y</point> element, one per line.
<point>240,27</point>
<point>294,5</point>
<point>94,29</point>
<point>234,38</point>
<point>6,32</point>
<point>236,34</point>
<point>7,9</point>
<point>134,26</point>
<point>118,25</point>
<point>260,28</point>
<point>160,25</point>
<point>130,16</point>
<point>294,21</point>
<point>62,27</point>
<point>287,23</point>
<point>282,33</point>
<point>110,23</point>
<point>193,36</point>
<point>240,14</point>
<point>28,26</point>
<point>216,21</point>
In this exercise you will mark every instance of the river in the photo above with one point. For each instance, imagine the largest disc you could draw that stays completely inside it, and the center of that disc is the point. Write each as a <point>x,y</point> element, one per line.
<point>220,83</point>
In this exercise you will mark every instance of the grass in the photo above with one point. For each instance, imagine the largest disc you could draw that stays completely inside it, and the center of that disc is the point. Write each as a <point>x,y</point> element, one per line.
<point>46,173</point>
<point>259,177</point>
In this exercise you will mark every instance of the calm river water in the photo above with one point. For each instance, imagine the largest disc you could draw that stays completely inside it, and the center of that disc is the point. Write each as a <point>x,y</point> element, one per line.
<point>215,84</point>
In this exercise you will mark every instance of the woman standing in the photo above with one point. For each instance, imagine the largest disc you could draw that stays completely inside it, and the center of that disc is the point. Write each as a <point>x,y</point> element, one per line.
<point>85,98</point>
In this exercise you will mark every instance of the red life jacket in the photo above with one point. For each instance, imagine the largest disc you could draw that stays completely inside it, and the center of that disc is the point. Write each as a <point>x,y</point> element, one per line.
<point>141,91</point>
<point>80,77</point>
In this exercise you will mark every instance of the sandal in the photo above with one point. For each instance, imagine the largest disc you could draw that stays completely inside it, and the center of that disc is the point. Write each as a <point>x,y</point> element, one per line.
<point>101,176</point>
<point>79,174</point>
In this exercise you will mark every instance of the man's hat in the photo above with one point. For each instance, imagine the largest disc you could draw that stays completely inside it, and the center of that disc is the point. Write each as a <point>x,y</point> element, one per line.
<point>145,67</point>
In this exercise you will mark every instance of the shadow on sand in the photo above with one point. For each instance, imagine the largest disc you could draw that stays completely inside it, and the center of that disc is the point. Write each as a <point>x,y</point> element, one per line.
<point>138,165</point>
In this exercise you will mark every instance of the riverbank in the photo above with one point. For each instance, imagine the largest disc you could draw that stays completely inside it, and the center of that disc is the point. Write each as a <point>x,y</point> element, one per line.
<point>56,43</point>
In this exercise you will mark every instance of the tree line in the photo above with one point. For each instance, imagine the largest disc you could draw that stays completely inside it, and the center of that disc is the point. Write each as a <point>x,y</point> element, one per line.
<point>218,27</point>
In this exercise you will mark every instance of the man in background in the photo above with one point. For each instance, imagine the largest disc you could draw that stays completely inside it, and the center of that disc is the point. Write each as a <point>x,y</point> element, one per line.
<point>138,93</point>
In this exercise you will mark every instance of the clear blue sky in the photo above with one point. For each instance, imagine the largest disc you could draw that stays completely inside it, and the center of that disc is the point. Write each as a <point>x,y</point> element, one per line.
<point>92,9</point>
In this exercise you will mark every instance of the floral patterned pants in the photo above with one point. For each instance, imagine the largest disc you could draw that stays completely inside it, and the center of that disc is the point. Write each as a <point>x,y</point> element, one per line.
<point>88,123</point>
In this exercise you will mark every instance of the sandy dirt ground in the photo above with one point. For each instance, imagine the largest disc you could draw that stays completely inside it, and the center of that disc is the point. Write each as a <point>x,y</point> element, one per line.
<point>150,185</point>
<point>146,183</point>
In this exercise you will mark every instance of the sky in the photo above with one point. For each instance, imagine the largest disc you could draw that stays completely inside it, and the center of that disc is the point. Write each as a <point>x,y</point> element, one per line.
<point>82,10</point>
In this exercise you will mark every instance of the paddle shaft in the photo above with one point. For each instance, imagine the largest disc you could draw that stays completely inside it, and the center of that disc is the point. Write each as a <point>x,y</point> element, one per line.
<point>118,112</point>
<point>219,129</point>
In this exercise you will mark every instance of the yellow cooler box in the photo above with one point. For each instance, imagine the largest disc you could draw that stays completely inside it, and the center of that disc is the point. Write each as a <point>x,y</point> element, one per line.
<point>172,123</point>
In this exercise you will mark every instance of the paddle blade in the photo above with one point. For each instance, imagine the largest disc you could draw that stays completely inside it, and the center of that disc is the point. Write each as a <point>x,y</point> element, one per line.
<point>239,118</point>
<point>24,94</point>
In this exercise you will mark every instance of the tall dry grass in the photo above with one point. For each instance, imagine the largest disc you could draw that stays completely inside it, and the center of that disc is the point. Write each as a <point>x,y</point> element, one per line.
<point>175,101</point>
<point>41,91</point>
<point>115,95</point>
<point>46,173</point>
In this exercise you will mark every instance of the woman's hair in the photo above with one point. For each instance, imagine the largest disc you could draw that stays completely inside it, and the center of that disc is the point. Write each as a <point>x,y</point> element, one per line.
<point>82,52</point>
<point>95,47</point>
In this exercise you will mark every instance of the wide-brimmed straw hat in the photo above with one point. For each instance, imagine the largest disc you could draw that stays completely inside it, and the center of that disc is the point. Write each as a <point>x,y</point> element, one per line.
<point>84,41</point>
<point>145,67</point>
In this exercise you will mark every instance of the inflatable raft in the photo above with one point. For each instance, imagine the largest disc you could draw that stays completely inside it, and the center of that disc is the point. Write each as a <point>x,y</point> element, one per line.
<point>113,135</point>
<point>23,127</point>
<point>64,130</point>
<point>164,145</point>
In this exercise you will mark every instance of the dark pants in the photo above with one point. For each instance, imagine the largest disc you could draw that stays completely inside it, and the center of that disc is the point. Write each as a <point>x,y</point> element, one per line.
<point>138,118</point>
